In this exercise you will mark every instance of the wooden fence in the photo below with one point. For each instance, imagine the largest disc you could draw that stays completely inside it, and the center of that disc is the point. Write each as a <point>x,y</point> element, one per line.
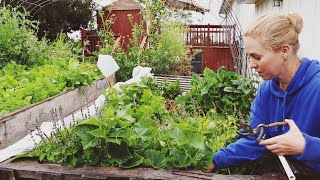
<point>214,42</point>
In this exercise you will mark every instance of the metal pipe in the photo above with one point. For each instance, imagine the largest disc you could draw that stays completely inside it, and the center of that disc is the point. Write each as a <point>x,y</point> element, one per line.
<point>287,168</point>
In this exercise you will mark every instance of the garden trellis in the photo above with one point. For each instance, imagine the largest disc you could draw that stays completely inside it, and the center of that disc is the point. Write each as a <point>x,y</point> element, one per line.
<point>31,7</point>
<point>221,10</point>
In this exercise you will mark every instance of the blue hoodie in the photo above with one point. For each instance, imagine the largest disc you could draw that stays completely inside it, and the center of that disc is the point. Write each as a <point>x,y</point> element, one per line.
<point>300,102</point>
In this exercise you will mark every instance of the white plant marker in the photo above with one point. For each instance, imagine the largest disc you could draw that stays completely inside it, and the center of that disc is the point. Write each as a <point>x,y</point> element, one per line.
<point>107,65</point>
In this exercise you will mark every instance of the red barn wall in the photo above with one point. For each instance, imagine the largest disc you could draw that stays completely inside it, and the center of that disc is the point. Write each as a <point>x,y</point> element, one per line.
<point>122,26</point>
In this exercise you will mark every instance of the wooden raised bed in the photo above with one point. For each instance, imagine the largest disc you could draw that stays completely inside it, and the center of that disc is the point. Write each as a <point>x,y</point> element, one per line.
<point>32,170</point>
<point>18,124</point>
<point>29,169</point>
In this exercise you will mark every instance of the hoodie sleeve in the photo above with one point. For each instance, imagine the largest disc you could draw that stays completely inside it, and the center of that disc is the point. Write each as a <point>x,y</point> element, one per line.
<point>310,153</point>
<point>245,148</point>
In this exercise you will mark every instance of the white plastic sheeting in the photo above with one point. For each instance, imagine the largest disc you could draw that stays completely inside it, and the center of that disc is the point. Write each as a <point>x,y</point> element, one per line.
<point>28,143</point>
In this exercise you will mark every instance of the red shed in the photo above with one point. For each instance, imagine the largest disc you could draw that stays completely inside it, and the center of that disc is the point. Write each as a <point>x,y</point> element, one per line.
<point>122,26</point>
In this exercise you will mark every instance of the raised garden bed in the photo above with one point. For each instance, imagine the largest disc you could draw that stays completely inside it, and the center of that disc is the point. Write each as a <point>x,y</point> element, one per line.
<point>18,124</point>
<point>151,156</point>
<point>32,170</point>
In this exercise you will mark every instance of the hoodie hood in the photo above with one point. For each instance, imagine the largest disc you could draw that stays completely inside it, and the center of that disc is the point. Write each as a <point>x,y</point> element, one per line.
<point>304,74</point>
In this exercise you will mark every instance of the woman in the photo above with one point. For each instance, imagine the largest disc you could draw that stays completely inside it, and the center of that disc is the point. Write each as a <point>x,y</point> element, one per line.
<point>290,92</point>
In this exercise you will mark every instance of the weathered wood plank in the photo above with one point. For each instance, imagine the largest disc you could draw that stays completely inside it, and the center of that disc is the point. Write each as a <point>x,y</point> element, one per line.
<point>18,124</point>
<point>31,169</point>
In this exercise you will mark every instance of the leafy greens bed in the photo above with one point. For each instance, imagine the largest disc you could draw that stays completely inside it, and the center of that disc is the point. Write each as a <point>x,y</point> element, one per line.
<point>32,70</point>
<point>21,85</point>
<point>140,125</point>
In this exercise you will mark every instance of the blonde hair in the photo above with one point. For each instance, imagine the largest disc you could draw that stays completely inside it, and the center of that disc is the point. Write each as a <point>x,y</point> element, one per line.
<point>275,30</point>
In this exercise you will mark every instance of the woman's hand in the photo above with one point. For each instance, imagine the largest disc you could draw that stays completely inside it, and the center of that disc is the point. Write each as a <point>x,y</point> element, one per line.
<point>209,169</point>
<point>290,143</point>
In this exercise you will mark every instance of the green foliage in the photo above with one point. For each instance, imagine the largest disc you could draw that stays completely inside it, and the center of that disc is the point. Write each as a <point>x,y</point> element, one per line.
<point>170,50</point>
<point>166,52</point>
<point>171,90</point>
<point>60,49</point>
<point>21,86</point>
<point>33,70</point>
<point>126,60</point>
<point>17,38</point>
<point>157,12</point>
<point>222,90</point>
<point>169,56</point>
<point>105,33</point>
<point>18,41</point>
<point>135,129</point>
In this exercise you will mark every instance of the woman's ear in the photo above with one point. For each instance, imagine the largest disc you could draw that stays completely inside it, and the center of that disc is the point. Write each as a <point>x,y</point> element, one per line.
<point>286,48</point>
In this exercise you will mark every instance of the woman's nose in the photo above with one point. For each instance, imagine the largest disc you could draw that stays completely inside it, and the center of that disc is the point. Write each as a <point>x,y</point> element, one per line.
<point>253,64</point>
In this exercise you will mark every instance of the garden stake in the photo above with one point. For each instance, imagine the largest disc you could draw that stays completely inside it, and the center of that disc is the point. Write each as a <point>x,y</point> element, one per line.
<point>287,168</point>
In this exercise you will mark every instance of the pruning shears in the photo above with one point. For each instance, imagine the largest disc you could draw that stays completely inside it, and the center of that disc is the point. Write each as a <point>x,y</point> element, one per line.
<point>259,134</point>
<point>259,131</point>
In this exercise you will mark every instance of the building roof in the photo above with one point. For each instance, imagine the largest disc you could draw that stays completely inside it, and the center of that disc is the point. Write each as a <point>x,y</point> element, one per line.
<point>191,5</point>
<point>186,5</point>
<point>124,5</point>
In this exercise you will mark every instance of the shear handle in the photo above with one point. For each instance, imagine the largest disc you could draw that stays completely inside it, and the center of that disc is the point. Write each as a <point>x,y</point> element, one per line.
<point>272,124</point>
<point>259,130</point>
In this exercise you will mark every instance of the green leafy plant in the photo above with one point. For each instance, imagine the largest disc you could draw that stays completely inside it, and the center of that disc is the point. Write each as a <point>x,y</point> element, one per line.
<point>170,52</point>
<point>22,85</point>
<point>222,90</point>
<point>171,90</point>
<point>135,129</point>
<point>33,70</point>
<point>126,60</point>
<point>17,38</point>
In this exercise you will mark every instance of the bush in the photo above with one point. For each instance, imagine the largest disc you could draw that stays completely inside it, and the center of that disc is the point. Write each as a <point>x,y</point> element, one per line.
<point>170,51</point>
<point>17,38</point>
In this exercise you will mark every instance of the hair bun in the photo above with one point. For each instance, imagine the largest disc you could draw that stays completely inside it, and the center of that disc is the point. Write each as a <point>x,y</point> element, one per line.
<point>297,21</point>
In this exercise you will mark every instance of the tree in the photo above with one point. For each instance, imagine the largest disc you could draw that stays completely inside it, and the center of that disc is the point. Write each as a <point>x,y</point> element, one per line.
<point>57,16</point>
